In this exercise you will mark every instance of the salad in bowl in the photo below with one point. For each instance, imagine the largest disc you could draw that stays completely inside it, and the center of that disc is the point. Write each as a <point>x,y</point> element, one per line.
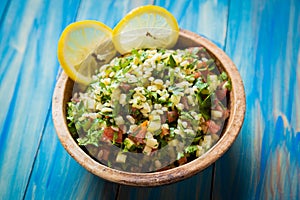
<point>147,105</point>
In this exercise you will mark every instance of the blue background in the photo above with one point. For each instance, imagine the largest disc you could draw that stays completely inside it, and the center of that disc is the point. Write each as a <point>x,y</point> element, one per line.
<point>261,37</point>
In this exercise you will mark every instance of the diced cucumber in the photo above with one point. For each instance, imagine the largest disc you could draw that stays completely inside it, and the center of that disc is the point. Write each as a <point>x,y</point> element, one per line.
<point>129,144</point>
<point>152,142</point>
<point>154,125</point>
<point>147,150</point>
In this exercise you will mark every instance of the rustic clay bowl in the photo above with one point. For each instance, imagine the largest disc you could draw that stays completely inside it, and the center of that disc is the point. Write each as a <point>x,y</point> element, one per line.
<point>63,93</point>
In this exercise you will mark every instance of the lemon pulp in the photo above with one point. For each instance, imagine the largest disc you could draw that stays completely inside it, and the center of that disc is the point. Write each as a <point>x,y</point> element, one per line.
<point>83,47</point>
<point>146,27</point>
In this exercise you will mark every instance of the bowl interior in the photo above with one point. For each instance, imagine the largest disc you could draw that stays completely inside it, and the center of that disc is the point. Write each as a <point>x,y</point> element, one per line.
<point>236,105</point>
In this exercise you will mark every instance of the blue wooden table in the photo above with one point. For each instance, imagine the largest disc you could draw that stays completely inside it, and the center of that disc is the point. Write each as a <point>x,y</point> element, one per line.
<point>261,36</point>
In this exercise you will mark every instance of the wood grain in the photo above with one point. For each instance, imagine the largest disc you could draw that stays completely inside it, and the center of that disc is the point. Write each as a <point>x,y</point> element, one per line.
<point>262,38</point>
<point>264,161</point>
<point>55,174</point>
<point>3,8</point>
<point>207,18</point>
<point>28,62</point>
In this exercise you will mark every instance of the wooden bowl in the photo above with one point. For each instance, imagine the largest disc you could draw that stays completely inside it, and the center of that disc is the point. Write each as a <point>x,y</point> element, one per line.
<point>63,93</point>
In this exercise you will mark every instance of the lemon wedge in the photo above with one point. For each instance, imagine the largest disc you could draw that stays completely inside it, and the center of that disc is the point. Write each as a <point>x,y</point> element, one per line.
<point>83,47</point>
<point>146,27</point>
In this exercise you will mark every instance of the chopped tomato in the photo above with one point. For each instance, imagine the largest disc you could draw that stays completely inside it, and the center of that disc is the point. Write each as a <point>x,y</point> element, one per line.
<point>197,74</point>
<point>172,116</point>
<point>182,160</point>
<point>125,87</point>
<point>216,105</point>
<point>122,127</point>
<point>213,127</point>
<point>109,133</point>
<point>139,133</point>
<point>164,131</point>
<point>221,94</point>
<point>204,71</point>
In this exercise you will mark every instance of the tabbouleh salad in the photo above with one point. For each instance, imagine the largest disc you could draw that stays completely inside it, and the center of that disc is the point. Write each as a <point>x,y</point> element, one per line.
<point>151,110</point>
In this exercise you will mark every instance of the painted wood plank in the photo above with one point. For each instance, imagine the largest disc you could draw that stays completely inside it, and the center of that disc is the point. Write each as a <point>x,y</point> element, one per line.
<point>264,42</point>
<point>209,19</point>
<point>28,62</point>
<point>110,12</point>
<point>3,8</point>
<point>55,174</point>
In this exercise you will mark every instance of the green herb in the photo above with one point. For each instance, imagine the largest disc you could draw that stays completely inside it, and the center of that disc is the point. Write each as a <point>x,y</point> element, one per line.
<point>186,115</point>
<point>223,76</point>
<point>228,85</point>
<point>197,139</point>
<point>86,125</point>
<point>163,51</point>
<point>129,144</point>
<point>92,137</point>
<point>179,155</point>
<point>162,142</point>
<point>135,52</point>
<point>172,133</point>
<point>176,90</point>
<point>172,76</point>
<point>210,62</point>
<point>126,63</point>
<point>172,62</point>
<point>200,85</point>
<point>116,68</point>
<point>116,134</point>
<point>109,163</point>
<point>191,149</point>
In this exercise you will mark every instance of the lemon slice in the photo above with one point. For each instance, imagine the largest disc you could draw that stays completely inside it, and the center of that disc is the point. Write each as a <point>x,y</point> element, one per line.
<point>146,27</point>
<point>83,47</point>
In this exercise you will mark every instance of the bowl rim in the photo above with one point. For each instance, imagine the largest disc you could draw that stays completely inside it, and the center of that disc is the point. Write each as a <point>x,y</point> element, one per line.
<point>232,129</point>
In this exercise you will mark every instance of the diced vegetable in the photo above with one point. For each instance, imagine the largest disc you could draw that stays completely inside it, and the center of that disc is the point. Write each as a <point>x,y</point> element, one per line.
<point>139,133</point>
<point>121,158</point>
<point>154,125</point>
<point>216,114</point>
<point>221,93</point>
<point>172,116</point>
<point>213,127</point>
<point>147,101</point>
<point>129,144</point>
<point>112,135</point>
<point>152,143</point>
<point>147,150</point>
<point>119,120</point>
<point>165,131</point>
<point>182,160</point>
